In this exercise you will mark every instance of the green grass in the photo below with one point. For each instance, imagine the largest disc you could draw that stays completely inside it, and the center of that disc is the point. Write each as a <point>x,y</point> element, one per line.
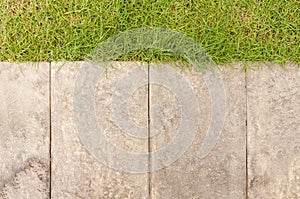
<point>230,30</point>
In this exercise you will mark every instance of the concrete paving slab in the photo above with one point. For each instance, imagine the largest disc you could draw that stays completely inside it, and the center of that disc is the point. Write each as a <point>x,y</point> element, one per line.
<point>80,170</point>
<point>221,172</point>
<point>84,166</point>
<point>24,130</point>
<point>274,132</point>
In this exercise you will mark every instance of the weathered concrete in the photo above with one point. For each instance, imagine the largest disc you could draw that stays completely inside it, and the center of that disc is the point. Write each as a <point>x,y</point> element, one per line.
<point>274,132</point>
<point>272,107</point>
<point>222,173</point>
<point>32,182</point>
<point>24,127</point>
<point>76,172</point>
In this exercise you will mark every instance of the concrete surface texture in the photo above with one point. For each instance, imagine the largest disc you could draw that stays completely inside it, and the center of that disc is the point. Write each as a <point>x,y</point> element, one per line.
<point>221,174</point>
<point>274,132</point>
<point>149,131</point>
<point>24,130</point>
<point>75,172</point>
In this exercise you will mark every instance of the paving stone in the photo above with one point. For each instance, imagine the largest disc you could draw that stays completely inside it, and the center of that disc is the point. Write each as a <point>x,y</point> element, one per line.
<point>77,168</point>
<point>24,128</point>
<point>274,131</point>
<point>219,173</point>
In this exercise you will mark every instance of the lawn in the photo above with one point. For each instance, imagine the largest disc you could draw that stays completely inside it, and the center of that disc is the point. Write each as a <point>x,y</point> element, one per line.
<point>229,30</point>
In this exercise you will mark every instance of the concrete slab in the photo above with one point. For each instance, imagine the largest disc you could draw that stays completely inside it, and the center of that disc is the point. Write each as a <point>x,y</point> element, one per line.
<point>116,105</point>
<point>79,169</point>
<point>24,129</point>
<point>274,132</point>
<point>219,173</point>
